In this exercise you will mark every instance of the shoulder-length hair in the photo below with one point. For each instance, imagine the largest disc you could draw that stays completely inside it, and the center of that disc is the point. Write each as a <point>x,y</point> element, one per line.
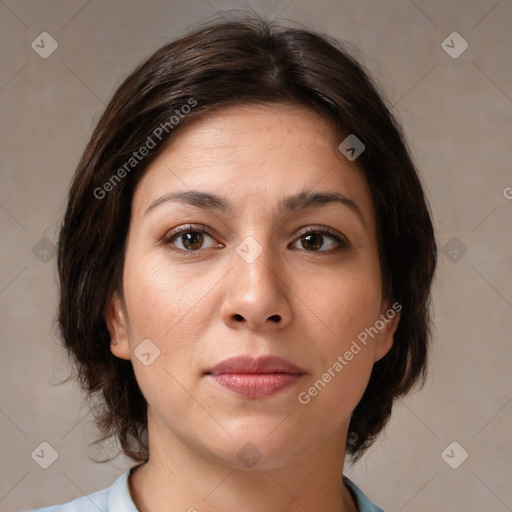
<point>217,65</point>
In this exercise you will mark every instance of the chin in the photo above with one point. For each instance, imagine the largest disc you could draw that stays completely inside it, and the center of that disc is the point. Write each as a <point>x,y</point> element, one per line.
<point>260,448</point>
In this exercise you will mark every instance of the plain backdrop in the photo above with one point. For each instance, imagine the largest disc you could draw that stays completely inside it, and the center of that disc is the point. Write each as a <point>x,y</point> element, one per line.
<point>457,113</point>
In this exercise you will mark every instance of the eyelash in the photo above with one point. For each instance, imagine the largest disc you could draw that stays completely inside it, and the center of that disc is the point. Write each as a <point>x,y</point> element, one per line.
<point>322,230</point>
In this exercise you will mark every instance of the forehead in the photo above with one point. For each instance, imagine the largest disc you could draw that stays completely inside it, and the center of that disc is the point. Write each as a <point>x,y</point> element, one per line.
<point>269,128</point>
<point>254,153</point>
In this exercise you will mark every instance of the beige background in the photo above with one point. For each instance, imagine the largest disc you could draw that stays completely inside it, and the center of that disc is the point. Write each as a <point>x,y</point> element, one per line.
<point>457,114</point>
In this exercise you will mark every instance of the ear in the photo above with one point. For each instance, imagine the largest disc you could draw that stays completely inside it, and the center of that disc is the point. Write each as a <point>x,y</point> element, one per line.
<point>115,318</point>
<point>389,316</point>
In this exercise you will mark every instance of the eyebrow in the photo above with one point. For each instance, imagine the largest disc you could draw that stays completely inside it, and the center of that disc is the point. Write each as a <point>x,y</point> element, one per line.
<point>290,204</point>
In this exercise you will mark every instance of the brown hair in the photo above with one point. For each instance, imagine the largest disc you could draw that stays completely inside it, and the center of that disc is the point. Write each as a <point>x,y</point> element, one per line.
<point>220,64</point>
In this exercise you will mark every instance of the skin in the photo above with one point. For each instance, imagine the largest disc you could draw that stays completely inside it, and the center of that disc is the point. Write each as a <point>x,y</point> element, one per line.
<point>201,307</point>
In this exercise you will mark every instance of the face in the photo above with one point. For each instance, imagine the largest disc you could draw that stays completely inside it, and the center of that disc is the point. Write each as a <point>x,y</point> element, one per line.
<point>283,261</point>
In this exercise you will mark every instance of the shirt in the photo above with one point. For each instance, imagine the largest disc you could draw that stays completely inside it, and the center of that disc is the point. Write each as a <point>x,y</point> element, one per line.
<point>117,498</point>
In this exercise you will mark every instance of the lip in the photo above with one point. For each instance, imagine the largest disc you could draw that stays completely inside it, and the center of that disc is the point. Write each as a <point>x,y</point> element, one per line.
<point>255,377</point>
<point>248,364</point>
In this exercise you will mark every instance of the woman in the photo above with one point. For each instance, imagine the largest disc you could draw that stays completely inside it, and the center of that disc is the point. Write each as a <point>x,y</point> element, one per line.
<point>245,267</point>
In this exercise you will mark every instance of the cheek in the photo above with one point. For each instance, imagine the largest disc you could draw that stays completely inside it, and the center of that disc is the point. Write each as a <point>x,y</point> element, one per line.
<point>345,357</point>
<point>172,305</point>
<point>163,304</point>
<point>157,295</point>
<point>348,308</point>
<point>348,304</point>
<point>150,299</point>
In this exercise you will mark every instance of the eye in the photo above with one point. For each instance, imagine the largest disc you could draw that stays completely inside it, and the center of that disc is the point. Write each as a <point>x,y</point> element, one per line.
<point>189,239</point>
<point>312,239</point>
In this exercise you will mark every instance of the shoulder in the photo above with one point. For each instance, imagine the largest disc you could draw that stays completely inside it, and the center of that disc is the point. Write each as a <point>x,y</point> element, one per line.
<point>363,502</point>
<point>95,502</point>
<point>115,498</point>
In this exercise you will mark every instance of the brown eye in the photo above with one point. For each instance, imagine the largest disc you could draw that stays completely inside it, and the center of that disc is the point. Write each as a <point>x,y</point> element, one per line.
<point>321,239</point>
<point>313,241</point>
<point>189,239</point>
<point>192,240</point>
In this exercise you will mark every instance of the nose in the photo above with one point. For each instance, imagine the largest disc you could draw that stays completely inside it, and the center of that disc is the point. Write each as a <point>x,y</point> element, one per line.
<point>257,295</point>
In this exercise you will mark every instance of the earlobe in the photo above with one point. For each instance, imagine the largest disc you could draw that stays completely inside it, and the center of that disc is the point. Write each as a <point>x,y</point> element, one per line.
<point>115,318</point>
<point>390,319</point>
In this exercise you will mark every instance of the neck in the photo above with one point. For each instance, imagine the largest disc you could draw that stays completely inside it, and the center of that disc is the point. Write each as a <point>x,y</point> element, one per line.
<point>179,477</point>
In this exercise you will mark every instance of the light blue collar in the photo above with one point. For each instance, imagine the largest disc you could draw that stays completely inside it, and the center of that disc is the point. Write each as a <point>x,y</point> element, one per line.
<point>119,498</point>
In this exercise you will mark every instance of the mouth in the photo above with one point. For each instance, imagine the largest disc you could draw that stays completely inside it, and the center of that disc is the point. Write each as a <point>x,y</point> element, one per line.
<point>255,377</point>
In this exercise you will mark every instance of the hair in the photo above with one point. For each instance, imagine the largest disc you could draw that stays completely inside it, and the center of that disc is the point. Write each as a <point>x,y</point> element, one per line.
<point>217,65</point>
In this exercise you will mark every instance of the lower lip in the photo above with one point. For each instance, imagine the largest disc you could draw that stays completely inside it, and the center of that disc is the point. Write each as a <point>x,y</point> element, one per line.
<point>256,385</point>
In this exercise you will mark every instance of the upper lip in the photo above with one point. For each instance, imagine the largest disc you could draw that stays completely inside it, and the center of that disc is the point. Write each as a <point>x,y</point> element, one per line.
<point>249,364</point>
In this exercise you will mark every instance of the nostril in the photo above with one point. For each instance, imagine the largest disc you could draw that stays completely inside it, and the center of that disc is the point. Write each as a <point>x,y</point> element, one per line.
<point>238,317</point>
<point>275,318</point>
